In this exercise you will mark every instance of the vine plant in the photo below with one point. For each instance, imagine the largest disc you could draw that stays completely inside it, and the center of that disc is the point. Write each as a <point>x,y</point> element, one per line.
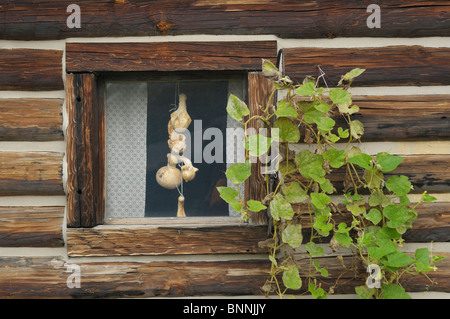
<point>380,208</point>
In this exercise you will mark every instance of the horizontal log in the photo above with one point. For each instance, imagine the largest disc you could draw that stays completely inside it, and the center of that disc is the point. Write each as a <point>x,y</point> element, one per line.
<point>291,19</point>
<point>385,66</point>
<point>45,277</point>
<point>168,56</point>
<point>432,223</point>
<point>31,173</point>
<point>426,172</point>
<point>31,70</point>
<point>31,119</point>
<point>402,118</point>
<point>31,226</point>
<point>148,240</point>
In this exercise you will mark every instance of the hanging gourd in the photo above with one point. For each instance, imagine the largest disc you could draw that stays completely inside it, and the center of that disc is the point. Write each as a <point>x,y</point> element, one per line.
<point>170,176</point>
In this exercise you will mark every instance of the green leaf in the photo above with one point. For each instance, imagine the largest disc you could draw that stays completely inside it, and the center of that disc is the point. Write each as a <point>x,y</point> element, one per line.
<point>340,96</point>
<point>228,194</point>
<point>322,226</point>
<point>255,205</point>
<point>291,278</point>
<point>353,74</point>
<point>292,235</point>
<point>326,186</point>
<point>373,177</point>
<point>320,200</point>
<point>322,271</point>
<point>294,193</point>
<point>374,216</point>
<point>345,108</point>
<point>311,115</point>
<point>280,208</point>
<point>322,107</point>
<point>313,249</point>
<point>317,293</point>
<point>362,160</point>
<point>335,157</point>
<point>306,89</point>
<point>363,292</point>
<point>236,109</point>
<point>324,124</point>
<point>270,71</point>
<point>378,198</point>
<point>388,162</point>
<point>343,239</point>
<point>356,129</point>
<point>310,165</point>
<point>393,291</point>
<point>397,215</point>
<point>285,109</point>
<point>398,259</point>
<point>257,144</point>
<point>237,173</point>
<point>422,259</point>
<point>288,131</point>
<point>384,247</point>
<point>400,185</point>
<point>237,207</point>
<point>342,133</point>
<point>428,198</point>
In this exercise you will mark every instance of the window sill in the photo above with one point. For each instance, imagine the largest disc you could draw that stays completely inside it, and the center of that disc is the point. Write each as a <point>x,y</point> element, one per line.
<point>166,239</point>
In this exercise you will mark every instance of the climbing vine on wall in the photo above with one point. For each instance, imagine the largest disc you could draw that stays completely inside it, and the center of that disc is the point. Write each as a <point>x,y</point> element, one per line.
<point>380,209</point>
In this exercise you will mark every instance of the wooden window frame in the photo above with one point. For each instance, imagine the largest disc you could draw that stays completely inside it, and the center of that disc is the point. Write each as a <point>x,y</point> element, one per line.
<point>86,191</point>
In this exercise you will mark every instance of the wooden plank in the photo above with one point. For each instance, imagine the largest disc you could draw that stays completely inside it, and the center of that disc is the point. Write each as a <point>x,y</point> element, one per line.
<point>388,66</point>
<point>426,172</point>
<point>83,166</point>
<point>285,18</point>
<point>30,69</point>
<point>31,173</point>
<point>148,240</point>
<point>168,56</point>
<point>31,226</point>
<point>259,92</point>
<point>402,118</point>
<point>31,120</point>
<point>46,277</point>
<point>432,223</point>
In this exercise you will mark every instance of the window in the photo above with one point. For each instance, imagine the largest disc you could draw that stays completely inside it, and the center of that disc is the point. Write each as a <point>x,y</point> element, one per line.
<point>137,115</point>
<point>148,79</point>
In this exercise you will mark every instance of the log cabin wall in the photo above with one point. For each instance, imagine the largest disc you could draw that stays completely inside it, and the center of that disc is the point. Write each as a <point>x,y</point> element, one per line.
<point>403,97</point>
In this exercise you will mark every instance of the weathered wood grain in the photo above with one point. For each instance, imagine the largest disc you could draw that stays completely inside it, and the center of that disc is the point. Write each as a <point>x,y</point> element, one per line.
<point>31,173</point>
<point>84,207</point>
<point>259,93</point>
<point>148,240</point>
<point>385,66</point>
<point>31,226</point>
<point>168,56</point>
<point>30,69</point>
<point>46,277</point>
<point>288,18</point>
<point>432,223</point>
<point>31,119</point>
